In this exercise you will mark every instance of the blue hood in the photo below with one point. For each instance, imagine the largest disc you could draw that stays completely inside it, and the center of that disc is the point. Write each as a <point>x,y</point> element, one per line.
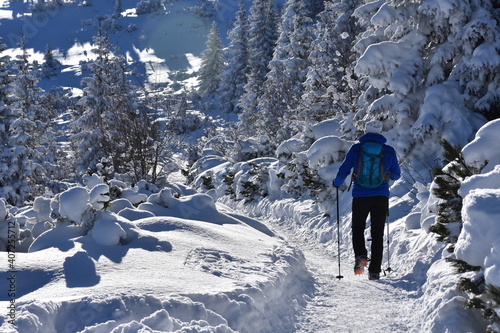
<point>378,138</point>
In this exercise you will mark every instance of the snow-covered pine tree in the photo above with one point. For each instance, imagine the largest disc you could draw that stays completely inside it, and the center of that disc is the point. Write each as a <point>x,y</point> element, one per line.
<point>330,86</point>
<point>212,63</point>
<point>462,40</point>
<point>283,87</point>
<point>262,31</point>
<point>54,103</point>
<point>233,78</point>
<point>415,72</point>
<point>390,64</point>
<point>5,99</point>
<point>448,227</point>
<point>478,71</point>
<point>447,183</point>
<point>106,108</point>
<point>29,134</point>
<point>6,118</point>
<point>50,65</point>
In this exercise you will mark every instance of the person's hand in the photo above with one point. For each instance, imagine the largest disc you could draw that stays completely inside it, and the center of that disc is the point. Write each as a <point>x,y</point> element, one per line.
<point>338,182</point>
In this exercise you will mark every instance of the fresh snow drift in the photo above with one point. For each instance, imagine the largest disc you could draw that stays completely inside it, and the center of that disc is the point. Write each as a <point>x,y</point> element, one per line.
<point>162,273</point>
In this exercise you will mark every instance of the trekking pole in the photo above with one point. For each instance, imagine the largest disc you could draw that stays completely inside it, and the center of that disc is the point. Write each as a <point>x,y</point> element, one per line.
<point>338,233</point>
<point>388,269</point>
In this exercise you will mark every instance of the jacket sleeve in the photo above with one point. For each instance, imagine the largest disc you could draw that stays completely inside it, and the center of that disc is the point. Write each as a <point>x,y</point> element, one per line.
<point>345,168</point>
<point>392,165</point>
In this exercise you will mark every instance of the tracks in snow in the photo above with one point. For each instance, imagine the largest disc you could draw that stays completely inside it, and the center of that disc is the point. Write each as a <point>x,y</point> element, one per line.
<point>352,304</point>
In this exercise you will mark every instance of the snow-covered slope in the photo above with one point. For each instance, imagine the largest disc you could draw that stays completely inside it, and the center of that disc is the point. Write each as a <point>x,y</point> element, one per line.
<point>187,266</point>
<point>165,45</point>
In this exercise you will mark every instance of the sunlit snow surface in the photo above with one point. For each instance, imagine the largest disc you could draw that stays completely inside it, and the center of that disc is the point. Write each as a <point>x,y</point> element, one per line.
<point>189,265</point>
<point>166,46</point>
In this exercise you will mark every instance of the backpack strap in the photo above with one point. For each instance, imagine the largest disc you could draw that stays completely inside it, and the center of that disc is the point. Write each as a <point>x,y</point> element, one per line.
<point>354,172</point>
<point>382,166</point>
<point>360,163</point>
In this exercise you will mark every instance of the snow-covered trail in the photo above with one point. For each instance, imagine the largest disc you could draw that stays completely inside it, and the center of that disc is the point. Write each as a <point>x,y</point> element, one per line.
<point>353,303</point>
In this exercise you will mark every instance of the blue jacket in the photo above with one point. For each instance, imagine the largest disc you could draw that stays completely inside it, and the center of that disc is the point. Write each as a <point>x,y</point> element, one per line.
<point>391,167</point>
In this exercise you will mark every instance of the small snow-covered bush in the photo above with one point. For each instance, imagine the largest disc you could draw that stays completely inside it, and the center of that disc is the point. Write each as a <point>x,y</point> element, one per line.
<point>148,6</point>
<point>254,147</point>
<point>187,123</point>
<point>50,7</point>
<point>308,171</point>
<point>75,212</point>
<point>244,181</point>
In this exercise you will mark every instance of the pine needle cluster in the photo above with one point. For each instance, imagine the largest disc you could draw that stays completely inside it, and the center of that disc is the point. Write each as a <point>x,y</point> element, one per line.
<point>447,183</point>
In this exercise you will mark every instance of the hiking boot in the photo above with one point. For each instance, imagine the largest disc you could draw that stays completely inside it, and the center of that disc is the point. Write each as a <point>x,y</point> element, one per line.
<point>360,264</point>
<point>374,276</point>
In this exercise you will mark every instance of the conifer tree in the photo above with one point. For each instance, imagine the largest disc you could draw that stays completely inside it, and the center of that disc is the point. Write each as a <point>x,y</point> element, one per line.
<point>106,107</point>
<point>30,136</point>
<point>447,183</point>
<point>283,87</point>
<point>212,63</point>
<point>114,124</point>
<point>412,52</point>
<point>261,33</point>
<point>330,87</point>
<point>448,226</point>
<point>50,65</point>
<point>233,78</point>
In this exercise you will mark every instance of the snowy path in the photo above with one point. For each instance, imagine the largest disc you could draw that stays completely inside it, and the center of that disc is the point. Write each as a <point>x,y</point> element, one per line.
<point>353,304</point>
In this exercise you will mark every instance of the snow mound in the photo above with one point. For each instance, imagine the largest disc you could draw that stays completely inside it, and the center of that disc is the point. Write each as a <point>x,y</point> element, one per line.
<point>107,232</point>
<point>483,150</point>
<point>481,212</point>
<point>60,237</point>
<point>73,203</point>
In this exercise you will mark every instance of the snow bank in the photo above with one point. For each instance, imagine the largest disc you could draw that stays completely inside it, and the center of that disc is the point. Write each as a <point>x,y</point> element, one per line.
<point>443,305</point>
<point>60,237</point>
<point>479,242</point>
<point>483,151</point>
<point>126,272</point>
<point>480,237</point>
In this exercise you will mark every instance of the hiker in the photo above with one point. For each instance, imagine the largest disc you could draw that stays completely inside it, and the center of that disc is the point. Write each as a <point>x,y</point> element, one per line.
<point>370,193</point>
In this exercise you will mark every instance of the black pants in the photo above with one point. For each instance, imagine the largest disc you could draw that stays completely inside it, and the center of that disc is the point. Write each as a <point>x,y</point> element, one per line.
<point>377,207</point>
